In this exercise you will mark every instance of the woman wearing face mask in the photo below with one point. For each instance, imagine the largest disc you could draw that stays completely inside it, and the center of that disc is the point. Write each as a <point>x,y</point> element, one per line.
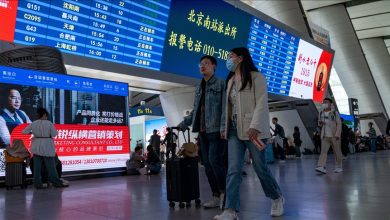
<point>246,118</point>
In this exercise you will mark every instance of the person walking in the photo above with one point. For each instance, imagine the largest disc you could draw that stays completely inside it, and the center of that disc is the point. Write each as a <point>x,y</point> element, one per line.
<point>330,123</point>
<point>246,119</point>
<point>279,139</point>
<point>206,118</point>
<point>372,135</point>
<point>297,142</point>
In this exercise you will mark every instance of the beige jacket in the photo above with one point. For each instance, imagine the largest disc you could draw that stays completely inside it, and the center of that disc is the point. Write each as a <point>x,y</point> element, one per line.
<point>333,123</point>
<point>252,108</point>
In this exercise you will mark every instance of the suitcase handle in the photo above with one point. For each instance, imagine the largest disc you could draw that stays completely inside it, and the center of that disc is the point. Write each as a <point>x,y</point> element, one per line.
<point>188,133</point>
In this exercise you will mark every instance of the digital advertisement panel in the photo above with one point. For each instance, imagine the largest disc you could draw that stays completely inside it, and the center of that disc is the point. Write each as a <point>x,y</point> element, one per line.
<point>90,116</point>
<point>171,36</point>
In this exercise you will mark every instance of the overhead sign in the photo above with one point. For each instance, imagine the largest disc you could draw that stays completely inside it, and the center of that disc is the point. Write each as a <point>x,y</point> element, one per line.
<point>146,110</point>
<point>171,36</point>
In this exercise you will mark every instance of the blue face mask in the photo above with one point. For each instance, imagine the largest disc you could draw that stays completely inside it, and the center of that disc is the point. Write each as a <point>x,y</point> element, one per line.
<point>230,65</point>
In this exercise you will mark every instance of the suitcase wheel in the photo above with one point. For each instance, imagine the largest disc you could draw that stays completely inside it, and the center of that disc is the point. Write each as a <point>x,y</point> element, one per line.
<point>197,202</point>
<point>171,204</point>
<point>181,205</point>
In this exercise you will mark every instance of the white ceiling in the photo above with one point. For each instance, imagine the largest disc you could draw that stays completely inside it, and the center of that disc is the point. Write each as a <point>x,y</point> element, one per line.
<point>313,4</point>
<point>373,8</point>
<point>371,20</point>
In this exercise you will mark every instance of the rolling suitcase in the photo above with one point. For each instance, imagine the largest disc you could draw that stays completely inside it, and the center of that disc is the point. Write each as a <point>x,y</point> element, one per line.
<point>182,180</point>
<point>15,175</point>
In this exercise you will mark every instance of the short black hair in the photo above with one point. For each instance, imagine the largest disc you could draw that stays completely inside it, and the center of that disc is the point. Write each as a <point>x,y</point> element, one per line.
<point>155,131</point>
<point>211,58</point>
<point>275,118</point>
<point>41,112</point>
<point>137,148</point>
<point>329,99</point>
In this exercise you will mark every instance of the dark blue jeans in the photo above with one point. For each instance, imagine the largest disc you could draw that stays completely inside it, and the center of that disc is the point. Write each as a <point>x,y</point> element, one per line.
<point>212,155</point>
<point>373,144</point>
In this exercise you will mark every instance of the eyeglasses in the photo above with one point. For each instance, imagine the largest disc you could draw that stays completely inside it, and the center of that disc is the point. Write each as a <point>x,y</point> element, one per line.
<point>204,64</point>
<point>14,98</point>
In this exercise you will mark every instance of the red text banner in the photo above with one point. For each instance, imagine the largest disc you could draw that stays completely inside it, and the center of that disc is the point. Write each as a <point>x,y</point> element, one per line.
<point>79,140</point>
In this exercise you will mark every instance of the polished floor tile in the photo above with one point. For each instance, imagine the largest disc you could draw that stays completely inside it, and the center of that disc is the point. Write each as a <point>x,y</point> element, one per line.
<point>361,192</point>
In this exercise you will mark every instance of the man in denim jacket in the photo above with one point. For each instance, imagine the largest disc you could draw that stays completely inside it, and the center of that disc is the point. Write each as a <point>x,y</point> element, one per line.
<point>206,118</point>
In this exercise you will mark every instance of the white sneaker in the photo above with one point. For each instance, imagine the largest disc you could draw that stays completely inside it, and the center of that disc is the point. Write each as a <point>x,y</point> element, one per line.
<point>214,202</point>
<point>277,208</point>
<point>321,170</point>
<point>338,170</point>
<point>143,171</point>
<point>221,200</point>
<point>228,214</point>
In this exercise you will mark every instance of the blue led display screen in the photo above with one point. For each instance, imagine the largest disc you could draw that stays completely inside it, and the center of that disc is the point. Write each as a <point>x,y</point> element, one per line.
<point>128,32</point>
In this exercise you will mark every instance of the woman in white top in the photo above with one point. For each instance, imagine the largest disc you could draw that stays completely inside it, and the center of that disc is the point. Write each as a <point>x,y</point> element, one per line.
<point>246,117</point>
<point>43,148</point>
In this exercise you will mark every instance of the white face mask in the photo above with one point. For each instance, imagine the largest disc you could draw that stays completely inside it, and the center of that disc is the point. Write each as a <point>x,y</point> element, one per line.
<point>230,65</point>
<point>324,106</point>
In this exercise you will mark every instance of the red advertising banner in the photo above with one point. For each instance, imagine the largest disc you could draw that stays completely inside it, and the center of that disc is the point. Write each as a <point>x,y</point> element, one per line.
<point>322,75</point>
<point>8,9</point>
<point>81,140</point>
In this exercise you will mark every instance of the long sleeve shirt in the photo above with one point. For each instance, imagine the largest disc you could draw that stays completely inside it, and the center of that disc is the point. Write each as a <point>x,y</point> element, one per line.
<point>43,132</point>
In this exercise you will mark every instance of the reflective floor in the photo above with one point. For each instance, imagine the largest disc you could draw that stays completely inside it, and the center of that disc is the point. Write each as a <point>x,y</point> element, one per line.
<point>361,192</point>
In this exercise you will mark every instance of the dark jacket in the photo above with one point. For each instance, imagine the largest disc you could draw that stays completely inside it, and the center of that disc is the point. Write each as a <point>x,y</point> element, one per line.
<point>155,141</point>
<point>279,130</point>
<point>169,139</point>
<point>297,138</point>
<point>152,158</point>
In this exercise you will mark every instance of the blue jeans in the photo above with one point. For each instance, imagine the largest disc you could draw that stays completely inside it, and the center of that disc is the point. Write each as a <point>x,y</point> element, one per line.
<point>236,161</point>
<point>373,144</point>
<point>50,168</point>
<point>154,168</point>
<point>212,155</point>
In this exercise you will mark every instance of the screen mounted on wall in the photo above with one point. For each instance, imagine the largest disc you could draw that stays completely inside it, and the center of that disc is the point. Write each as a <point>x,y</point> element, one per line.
<point>90,116</point>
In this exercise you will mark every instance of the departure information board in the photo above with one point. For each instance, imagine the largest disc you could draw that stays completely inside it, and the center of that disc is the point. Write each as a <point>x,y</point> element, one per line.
<point>171,36</point>
<point>129,32</point>
<point>273,51</point>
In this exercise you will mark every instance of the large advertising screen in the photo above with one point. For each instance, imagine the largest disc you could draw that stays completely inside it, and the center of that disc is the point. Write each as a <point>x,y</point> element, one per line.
<point>171,36</point>
<point>90,116</point>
